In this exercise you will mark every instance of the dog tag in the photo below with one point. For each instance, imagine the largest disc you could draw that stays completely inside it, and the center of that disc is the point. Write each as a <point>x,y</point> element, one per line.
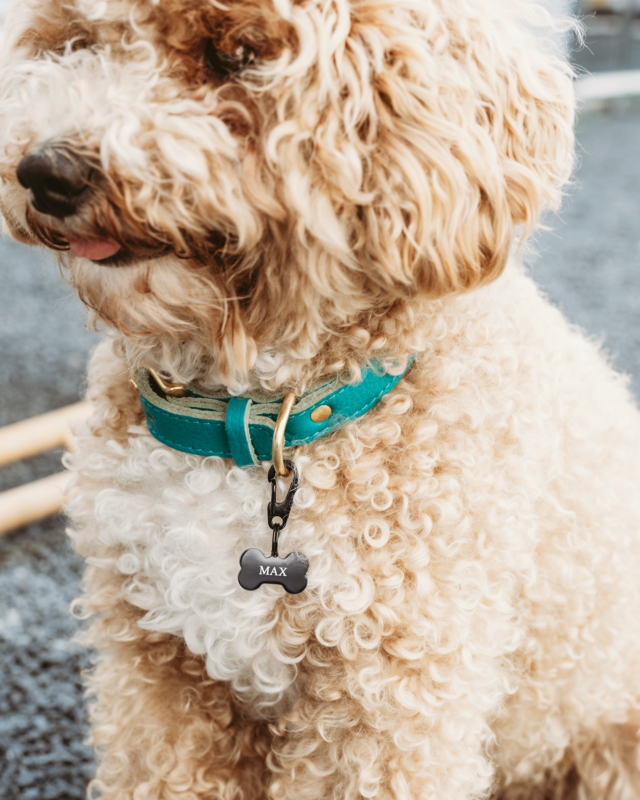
<point>289,572</point>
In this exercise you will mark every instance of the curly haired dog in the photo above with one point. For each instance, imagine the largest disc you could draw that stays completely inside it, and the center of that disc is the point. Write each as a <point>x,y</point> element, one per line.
<point>258,196</point>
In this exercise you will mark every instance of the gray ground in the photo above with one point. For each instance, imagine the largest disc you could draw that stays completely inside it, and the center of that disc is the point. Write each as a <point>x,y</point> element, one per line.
<point>44,349</point>
<point>588,266</point>
<point>611,34</point>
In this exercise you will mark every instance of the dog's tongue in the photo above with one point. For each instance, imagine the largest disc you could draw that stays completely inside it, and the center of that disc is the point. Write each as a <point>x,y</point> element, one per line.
<point>94,249</point>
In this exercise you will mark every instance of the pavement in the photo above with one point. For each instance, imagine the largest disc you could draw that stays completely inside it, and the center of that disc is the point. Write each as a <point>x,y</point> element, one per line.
<point>588,265</point>
<point>43,350</point>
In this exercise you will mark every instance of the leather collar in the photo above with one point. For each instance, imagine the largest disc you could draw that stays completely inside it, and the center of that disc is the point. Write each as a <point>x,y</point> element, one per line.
<point>242,427</point>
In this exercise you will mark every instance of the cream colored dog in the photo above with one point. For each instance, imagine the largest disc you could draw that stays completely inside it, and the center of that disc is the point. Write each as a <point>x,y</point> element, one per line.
<point>257,196</point>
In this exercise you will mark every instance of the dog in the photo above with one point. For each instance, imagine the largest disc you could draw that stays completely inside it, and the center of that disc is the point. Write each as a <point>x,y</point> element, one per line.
<point>262,200</point>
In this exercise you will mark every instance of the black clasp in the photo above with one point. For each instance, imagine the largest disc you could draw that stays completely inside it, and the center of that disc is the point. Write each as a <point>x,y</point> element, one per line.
<point>282,509</point>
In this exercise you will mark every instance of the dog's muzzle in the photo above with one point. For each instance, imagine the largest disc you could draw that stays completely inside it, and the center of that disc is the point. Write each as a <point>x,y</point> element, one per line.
<point>57,179</point>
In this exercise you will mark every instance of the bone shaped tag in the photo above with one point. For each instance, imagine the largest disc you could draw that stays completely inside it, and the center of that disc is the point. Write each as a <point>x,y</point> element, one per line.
<point>289,572</point>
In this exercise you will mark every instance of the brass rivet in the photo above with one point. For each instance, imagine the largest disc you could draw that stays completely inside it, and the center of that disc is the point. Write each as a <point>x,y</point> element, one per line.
<point>321,413</point>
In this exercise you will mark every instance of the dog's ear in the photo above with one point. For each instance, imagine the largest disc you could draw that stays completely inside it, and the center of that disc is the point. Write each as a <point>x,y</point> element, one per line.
<point>473,123</point>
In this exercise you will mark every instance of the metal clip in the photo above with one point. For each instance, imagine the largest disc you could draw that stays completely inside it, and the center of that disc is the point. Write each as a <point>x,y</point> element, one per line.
<point>281,509</point>
<point>278,512</point>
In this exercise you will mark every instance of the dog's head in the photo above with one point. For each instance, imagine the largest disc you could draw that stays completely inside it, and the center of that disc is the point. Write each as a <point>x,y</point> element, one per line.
<point>262,176</point>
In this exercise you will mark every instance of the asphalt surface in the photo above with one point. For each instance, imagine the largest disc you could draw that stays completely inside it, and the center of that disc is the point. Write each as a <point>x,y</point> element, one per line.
<point>43,352</point>
<point>588,265</point>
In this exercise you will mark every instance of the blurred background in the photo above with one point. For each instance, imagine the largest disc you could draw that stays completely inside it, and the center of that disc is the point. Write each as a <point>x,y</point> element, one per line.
<point>587,264</point>
<point>613,34</point>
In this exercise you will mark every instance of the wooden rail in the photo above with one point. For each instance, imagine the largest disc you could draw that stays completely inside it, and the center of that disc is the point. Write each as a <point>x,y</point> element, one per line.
<point>40,499</point>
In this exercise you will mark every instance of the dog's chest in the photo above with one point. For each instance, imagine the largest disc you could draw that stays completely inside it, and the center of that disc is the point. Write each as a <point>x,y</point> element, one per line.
<point>180,524</point>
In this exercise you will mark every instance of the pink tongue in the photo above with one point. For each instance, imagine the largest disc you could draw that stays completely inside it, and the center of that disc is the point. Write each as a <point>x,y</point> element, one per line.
<point>95,249</point>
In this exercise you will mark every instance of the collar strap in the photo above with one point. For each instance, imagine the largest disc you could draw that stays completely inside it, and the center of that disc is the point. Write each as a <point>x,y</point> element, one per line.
<point>242,427</point>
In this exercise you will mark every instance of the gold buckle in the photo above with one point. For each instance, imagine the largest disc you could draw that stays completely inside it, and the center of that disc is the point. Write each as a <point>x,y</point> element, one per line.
<point>277,446</point>
<point>172,389</point>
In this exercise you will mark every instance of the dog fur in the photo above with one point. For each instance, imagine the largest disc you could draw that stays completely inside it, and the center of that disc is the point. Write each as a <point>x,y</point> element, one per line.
<point>471,625</point>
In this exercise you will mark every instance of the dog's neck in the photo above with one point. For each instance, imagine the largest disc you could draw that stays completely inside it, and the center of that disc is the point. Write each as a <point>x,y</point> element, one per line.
<point>382,338</point>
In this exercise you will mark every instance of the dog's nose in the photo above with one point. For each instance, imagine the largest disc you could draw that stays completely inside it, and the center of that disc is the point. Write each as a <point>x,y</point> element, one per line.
<point>57,179</point>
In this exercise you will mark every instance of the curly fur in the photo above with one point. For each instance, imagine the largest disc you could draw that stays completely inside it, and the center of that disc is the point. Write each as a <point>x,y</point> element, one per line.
<point>470,627</point>
<point>375,150</point>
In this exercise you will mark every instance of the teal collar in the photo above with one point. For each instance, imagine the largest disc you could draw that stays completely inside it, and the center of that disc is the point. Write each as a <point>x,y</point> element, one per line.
<point>242,427</point>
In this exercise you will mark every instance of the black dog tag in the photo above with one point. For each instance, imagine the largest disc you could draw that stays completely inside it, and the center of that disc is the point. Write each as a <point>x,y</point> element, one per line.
<point>289,572</point>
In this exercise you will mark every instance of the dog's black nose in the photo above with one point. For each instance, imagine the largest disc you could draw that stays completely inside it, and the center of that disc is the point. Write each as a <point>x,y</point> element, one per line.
<point>57,179</point>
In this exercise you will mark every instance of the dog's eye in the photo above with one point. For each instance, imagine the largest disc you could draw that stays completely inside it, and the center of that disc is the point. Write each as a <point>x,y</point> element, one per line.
<point>225,64</point>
